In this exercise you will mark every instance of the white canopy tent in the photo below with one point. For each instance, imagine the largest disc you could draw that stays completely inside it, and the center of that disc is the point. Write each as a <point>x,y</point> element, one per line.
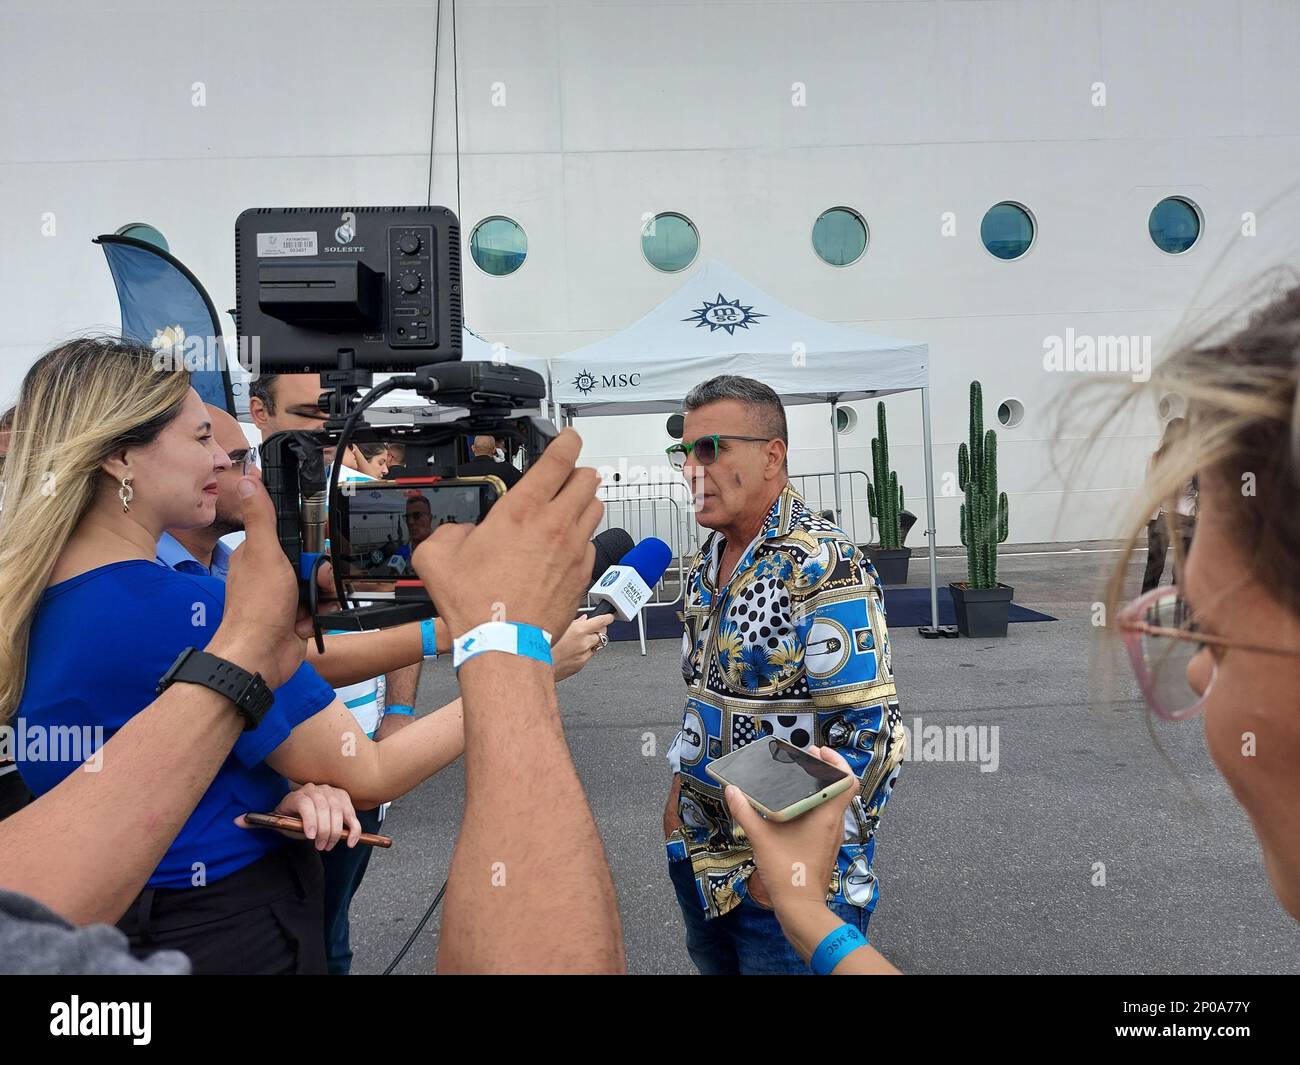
<point>716,323</point>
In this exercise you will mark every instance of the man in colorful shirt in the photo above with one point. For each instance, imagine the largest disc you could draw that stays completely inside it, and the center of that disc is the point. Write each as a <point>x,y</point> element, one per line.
<point>784,636</point>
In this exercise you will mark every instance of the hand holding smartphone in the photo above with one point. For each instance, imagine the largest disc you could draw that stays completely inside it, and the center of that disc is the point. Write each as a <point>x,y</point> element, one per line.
<point>285,823</point>
<point>780,780</point>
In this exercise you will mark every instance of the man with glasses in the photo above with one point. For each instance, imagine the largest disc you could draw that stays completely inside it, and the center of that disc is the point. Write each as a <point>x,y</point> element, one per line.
<point>784,636</point>
<point>382,704</point>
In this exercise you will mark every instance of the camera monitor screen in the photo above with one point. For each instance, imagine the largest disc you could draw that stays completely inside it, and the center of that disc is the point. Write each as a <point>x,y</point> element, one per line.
<point>384,522</point>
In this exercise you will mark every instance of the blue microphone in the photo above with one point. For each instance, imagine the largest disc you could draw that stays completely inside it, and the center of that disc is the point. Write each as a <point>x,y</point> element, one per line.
<point>624,589</point>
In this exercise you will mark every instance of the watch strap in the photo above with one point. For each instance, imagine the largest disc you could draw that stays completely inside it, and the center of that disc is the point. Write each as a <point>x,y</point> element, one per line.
<point>248,691</point>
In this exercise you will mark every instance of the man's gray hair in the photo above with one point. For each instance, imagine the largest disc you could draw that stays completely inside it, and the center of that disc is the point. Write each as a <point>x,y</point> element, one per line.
<point>765,402</point>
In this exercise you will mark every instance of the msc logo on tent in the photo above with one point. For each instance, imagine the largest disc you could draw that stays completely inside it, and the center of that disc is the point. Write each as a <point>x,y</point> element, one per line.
<point>586,381</point>
<point>724,314</point>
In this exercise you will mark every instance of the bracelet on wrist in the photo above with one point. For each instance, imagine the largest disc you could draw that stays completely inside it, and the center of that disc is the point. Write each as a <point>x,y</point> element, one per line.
<point>429,638</point>
<point>510,637</point>
<point>838,943</point>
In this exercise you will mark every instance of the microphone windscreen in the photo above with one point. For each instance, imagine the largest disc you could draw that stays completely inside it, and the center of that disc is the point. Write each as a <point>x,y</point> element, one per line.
<point>611,547</point>
<point>650,559</point>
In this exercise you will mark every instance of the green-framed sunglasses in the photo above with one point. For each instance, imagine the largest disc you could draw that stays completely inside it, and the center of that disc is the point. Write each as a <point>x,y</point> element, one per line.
<point>706,448</point>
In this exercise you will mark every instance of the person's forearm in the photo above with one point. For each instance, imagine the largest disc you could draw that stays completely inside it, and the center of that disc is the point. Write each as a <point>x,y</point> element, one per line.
<point>353,657</point>
<point>412,755</point>
<point>529,889</point>
<point>806,924</point>
<point>330,748</point>
<point>392,724</point>
<point>87,847</point>
<point>401,688</point>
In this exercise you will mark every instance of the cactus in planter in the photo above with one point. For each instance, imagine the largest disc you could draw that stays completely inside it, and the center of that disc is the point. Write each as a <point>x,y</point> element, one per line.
<point>984,514</point>
<point>884,494</point>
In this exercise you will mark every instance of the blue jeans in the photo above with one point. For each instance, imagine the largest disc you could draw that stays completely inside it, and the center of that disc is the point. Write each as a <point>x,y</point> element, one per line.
<point>748,940</point>
<point>344,868</point>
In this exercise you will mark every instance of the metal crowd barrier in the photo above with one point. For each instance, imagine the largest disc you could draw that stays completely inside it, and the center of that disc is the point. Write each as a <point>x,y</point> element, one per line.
<point>659,510</point>
<point>665,510</point>
<point>818,491</point>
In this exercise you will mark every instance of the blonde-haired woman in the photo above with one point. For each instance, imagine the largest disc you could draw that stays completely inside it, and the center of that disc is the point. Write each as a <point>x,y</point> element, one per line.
<point>106,452</point>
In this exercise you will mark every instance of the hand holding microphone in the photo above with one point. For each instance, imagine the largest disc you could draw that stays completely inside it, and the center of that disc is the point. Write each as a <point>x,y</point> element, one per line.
<point>582,639</point>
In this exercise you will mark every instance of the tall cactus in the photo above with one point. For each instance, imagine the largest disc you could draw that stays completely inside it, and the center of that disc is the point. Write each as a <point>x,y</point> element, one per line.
<point>984,514</point>
<point>884,494</point>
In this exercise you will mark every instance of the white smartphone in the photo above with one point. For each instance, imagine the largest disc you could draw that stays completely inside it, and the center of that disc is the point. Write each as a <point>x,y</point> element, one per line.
<point>780,780</point>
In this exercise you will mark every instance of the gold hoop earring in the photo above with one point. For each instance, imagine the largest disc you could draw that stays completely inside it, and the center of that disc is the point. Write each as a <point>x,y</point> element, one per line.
<point>126,493</point>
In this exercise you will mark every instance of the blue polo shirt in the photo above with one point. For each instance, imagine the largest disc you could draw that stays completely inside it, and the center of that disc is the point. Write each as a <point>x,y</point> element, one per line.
<point>99,644</point>
<point>175,555</point>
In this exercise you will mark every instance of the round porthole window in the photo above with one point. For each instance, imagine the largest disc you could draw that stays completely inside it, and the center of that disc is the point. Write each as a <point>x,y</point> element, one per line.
<point>1011,412</point>
<point>498,246</point>
<point>840,236</point>
<point>669,242</point>
<point>145,232</point>
<point>1007,230</point>
<point>1174,225</point>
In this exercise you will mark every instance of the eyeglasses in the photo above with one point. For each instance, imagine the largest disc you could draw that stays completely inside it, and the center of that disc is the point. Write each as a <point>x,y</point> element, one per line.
<point>706,449</point>
<point>246,460</point>
<point>1162,638</point>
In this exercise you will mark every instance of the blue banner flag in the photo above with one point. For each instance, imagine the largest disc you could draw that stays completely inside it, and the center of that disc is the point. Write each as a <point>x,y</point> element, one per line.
<point>163,305</point>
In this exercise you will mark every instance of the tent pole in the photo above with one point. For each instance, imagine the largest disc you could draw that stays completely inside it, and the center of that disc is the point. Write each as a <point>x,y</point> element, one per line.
<point>933,630</point>
<point>835,456</point>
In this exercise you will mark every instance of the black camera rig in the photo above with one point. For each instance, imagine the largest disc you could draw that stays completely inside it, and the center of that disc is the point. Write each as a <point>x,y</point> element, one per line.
<point>348,292</point>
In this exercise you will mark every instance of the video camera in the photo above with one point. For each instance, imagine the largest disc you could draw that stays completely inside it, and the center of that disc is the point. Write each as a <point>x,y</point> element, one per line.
<point>347,292</point>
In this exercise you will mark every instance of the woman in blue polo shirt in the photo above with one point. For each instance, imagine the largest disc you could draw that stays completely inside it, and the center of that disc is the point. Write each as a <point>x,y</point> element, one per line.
<point>108,451</point>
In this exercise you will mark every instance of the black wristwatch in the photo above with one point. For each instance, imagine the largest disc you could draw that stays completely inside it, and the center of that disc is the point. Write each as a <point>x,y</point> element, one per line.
<point>248,691</point>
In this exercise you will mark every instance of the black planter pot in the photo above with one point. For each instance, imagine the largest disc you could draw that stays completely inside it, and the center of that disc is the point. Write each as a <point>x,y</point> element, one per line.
<point>981,612</point>
<point>891,565</point>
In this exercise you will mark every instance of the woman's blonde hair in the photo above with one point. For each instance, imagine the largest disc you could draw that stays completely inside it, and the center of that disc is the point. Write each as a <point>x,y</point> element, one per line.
<point>1238,379</point>
<point>80,403</point>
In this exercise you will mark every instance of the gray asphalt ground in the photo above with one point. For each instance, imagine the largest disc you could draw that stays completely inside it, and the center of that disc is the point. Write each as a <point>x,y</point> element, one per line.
<point>981,872</point>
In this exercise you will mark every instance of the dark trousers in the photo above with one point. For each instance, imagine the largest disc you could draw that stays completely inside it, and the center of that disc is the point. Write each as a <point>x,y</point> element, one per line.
<point>266,919</point>
<point>344,868</point>
<point>747,941</point>
<point>1158,547</point>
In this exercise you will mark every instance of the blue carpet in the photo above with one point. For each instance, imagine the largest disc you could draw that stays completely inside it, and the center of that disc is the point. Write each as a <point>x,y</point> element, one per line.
<point>911,606</point>
<point>905,606</point>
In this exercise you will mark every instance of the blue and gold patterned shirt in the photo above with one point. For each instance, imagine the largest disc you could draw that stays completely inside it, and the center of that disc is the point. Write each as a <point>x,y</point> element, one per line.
<point>795,645</point>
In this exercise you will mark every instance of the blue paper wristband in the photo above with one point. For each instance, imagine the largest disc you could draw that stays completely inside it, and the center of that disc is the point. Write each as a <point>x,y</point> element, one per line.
<point>400,709</point>
<point>843,940</point>
<point>527,641</point>
<point>429,638</point>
